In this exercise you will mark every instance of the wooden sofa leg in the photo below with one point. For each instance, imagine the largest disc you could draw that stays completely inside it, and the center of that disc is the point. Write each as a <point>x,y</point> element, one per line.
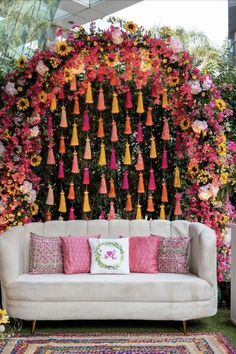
<point>185,327</point>
<point>33,326</point>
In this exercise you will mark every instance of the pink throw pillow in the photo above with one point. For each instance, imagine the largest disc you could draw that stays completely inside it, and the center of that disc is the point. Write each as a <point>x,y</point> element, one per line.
<point>76,254</point>
<point>143,253</point>
<point>45,255</point>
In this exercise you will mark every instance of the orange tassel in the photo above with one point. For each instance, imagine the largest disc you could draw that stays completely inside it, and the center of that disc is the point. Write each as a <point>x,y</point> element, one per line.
<point>139,165</point>
<point>115,106</point>
<point>103,185</point>
<point>73,86</point>
<point>128,129</point>
<point>149,121</point>
<point>71,192</point>
<point>63,122</point>
<point>62,205</point>
<point>150,205</point>
<point>53,104</point>
<point>50,196</point>
<point>153,151</point>
<point>164,195</point>
<point>164,98</point>
<point>128,206</point>
<point>166,130</point>
<point>114,136</point>
<point>62,146</point>
<point>101,103</point>
<point>178,210</point>
<point>162,212</point>
<point>139,212</point>
<point>112,192</point>
<point>48,216</point>
<point>74,137</point>
<point>76,109</point>
<point>86,205</point>
<point>102,158</point>
<point>87,150</point>
<point>140,108</point>
<point>127,158</point>
<point>75,165</point>
<point>89,95</point>
<point>140,183</point>
<point>100,133</point>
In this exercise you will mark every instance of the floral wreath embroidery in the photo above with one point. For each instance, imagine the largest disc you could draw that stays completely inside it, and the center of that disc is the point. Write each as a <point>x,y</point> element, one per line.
<point>109,254</point>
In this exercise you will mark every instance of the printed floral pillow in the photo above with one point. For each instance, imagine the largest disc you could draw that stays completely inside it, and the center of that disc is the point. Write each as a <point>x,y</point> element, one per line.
<point>173,254</point>
<point>109,256</point>
<point>45,255</point>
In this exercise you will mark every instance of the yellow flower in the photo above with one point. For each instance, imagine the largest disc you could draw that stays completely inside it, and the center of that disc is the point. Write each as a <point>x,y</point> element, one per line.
<point>193,170</point>
<point>166,32</point>
<point>34,208</point>
<point>131,26</point>
<point>111,59</point>
<point>4,318</point>
<point>42,96</point>
<point>221,149</point>
<point>174,81</point>
<point>194,77</point>
<point>220,104</point>
<point>54,62</point>
<point>185,123</point>
<point>203,176</point>
<point>36,160</point>
<point>68,74</point>
<point>62,48</point>
<point>169,69</point>
<point>224,219</point>
<point>224,176</point>
<point>22,104</point>
<point>21,62</point>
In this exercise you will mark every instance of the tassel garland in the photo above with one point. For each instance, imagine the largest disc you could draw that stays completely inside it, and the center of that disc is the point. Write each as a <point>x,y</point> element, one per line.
<point>62,205</point>
<point>128,129</point>
<point>112,164</point>
<point>50,157</point>
<point>125,181</point>
<point>62,146</point>
<point>164,98</point>
<point>139,136</point>
<point>71,191</point>
<point>89,95</point>
<point>112,192</point>
<point>150,205</point>
<point>101,103</point>
<point>177,181</point>
<point>128,206</point>
<point>115,106</point>
<point>87,150</point>
<point>177,142</point>
<point>112,213</point>
<point>73,86</point>
<point>86,206</point>
<point>48,216</point>
<point>140,183</point>
<point>162,212</point>
<point>53,104</point>
<point>74,137</point>
<point>128,100</point>
<point>114,136</point>
<point>153,151</point>
<point>86,124</point>
<point>50,127</point>
<point>139,212</point>
<point>166,131</point>
<point>100,132</point>
<point>76,109</point>
<point>178,210</point>
<point>140,108</point>
<point>72,214</point>
<point>75,165</point>
<point>61,174</point>
<point>149,121</point>
<point>103,185</point>
<point>127,158</point>
<point>151,183</point>
<point>86,176</point>
<point>139,165</point>
<point>164,195</point>
<point>50,196</point>
<point>164,164</point>
<point>63,122</point>
<point>102,157</point>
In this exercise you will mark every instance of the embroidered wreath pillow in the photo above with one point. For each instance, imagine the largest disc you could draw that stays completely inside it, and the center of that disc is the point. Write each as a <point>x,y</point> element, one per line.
<point>109,256</point>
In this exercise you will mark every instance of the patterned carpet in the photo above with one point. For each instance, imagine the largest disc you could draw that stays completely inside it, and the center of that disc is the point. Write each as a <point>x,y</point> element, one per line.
<point>111,343</point>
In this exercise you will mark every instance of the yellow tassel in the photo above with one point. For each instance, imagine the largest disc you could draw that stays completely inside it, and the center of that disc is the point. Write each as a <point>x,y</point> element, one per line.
<point>89,95</point>
<point>102,158</point>
<point>74,137</point>
<point>86,205</point>
<point>140,108</point>
<point>177,181</point>
<point>62,206</point>
<point>127,158</point>
<point>164,98</point>
<point>115,106</point>
<point>139,212</point>
<point>162,212</point>
<point>53,104</point>
<point>153,151</point>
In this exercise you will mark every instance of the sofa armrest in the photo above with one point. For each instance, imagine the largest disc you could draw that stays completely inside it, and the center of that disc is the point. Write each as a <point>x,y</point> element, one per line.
<point>204,253</point>
<point>11,254</point>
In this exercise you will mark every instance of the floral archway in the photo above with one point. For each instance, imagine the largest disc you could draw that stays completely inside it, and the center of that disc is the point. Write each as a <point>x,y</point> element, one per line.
<point>110,124</point>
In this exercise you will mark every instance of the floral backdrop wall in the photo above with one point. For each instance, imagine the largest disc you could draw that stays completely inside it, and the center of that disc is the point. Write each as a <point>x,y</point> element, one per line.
<point>114,124</point>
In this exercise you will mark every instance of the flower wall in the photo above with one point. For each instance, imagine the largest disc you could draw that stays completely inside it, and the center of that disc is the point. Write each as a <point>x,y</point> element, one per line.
<point>113,124</point>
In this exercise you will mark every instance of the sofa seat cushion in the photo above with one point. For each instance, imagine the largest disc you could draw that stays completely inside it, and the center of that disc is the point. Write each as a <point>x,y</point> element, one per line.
<point>161,287</point>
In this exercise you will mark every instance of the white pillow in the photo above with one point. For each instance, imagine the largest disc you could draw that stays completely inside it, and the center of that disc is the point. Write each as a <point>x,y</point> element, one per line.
<point>109,255</point>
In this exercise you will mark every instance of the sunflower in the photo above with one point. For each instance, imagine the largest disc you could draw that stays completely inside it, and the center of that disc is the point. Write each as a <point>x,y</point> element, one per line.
<point>68,74</point>
<point>221,149</point>
<point>185,123</point>
<point>42,96</point>
<point>22,104</point>
<point>11,189</point>
<point>111,59</point>
<point>193,170</point>
<point>131,26</point>
<point>34,209</point>
<point>220,104</point>
<point>62,48</point>
<point>21,62</point>
<point>36,160</point>
<point>174,80</point>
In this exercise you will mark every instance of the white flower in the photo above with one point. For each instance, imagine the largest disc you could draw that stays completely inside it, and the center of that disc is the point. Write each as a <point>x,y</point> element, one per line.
<point>41,68</point>
<point>208,191</point>
<point>117,37</point>
<point>34,119</point>
<point>176,45</point>
<point>2,328</point>
<point>199,126</point>
<point>26,187</point>
<point>195,87</point>
<point>2,149</point>
<point>207,83</point>
<point>10,89</point>
<point>32,196</point>
<point>34,131</point>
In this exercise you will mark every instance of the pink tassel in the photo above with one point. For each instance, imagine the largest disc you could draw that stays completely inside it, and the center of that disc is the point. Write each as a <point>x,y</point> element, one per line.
<point>101,104</point>
<point>86,176</point>
<point>103,185</point>
<point>166,130</point>
<point>72,214</point>
<point>102,215</point>
<point>139,165</point>
<point>139,136</point>
<point>50,157</point>
<point>50,128</point>
<point>125,181</point>
<point>111,214</point>
<point>164,164</point>
<point>114,136</point>
<point>50,196</point>
<point>112,164</point>
<point>61,174</point>
<point>75,167</point>
<point>151,183</point>
<point>128,100</point>
<point>177,142</point>
<point>86,124</point>
<point>178,210</point>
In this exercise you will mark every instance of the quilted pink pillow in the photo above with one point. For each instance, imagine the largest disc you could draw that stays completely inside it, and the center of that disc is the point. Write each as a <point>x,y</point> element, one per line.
<point>45,255</point>
<point>173,254</point>
<point>143,253</point>
<point>76,254</point>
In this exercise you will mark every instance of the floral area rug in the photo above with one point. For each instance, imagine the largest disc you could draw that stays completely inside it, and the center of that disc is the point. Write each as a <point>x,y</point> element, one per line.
<point>114,343</point>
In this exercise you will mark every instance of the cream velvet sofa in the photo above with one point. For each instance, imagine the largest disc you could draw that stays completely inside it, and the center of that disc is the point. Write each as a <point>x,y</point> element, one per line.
<point>162,296</point>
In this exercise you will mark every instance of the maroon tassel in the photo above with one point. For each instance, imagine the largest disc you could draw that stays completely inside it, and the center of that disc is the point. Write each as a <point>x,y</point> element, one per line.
<point>128,100</point>
<point>164,164</point>
<point>178,141</point>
